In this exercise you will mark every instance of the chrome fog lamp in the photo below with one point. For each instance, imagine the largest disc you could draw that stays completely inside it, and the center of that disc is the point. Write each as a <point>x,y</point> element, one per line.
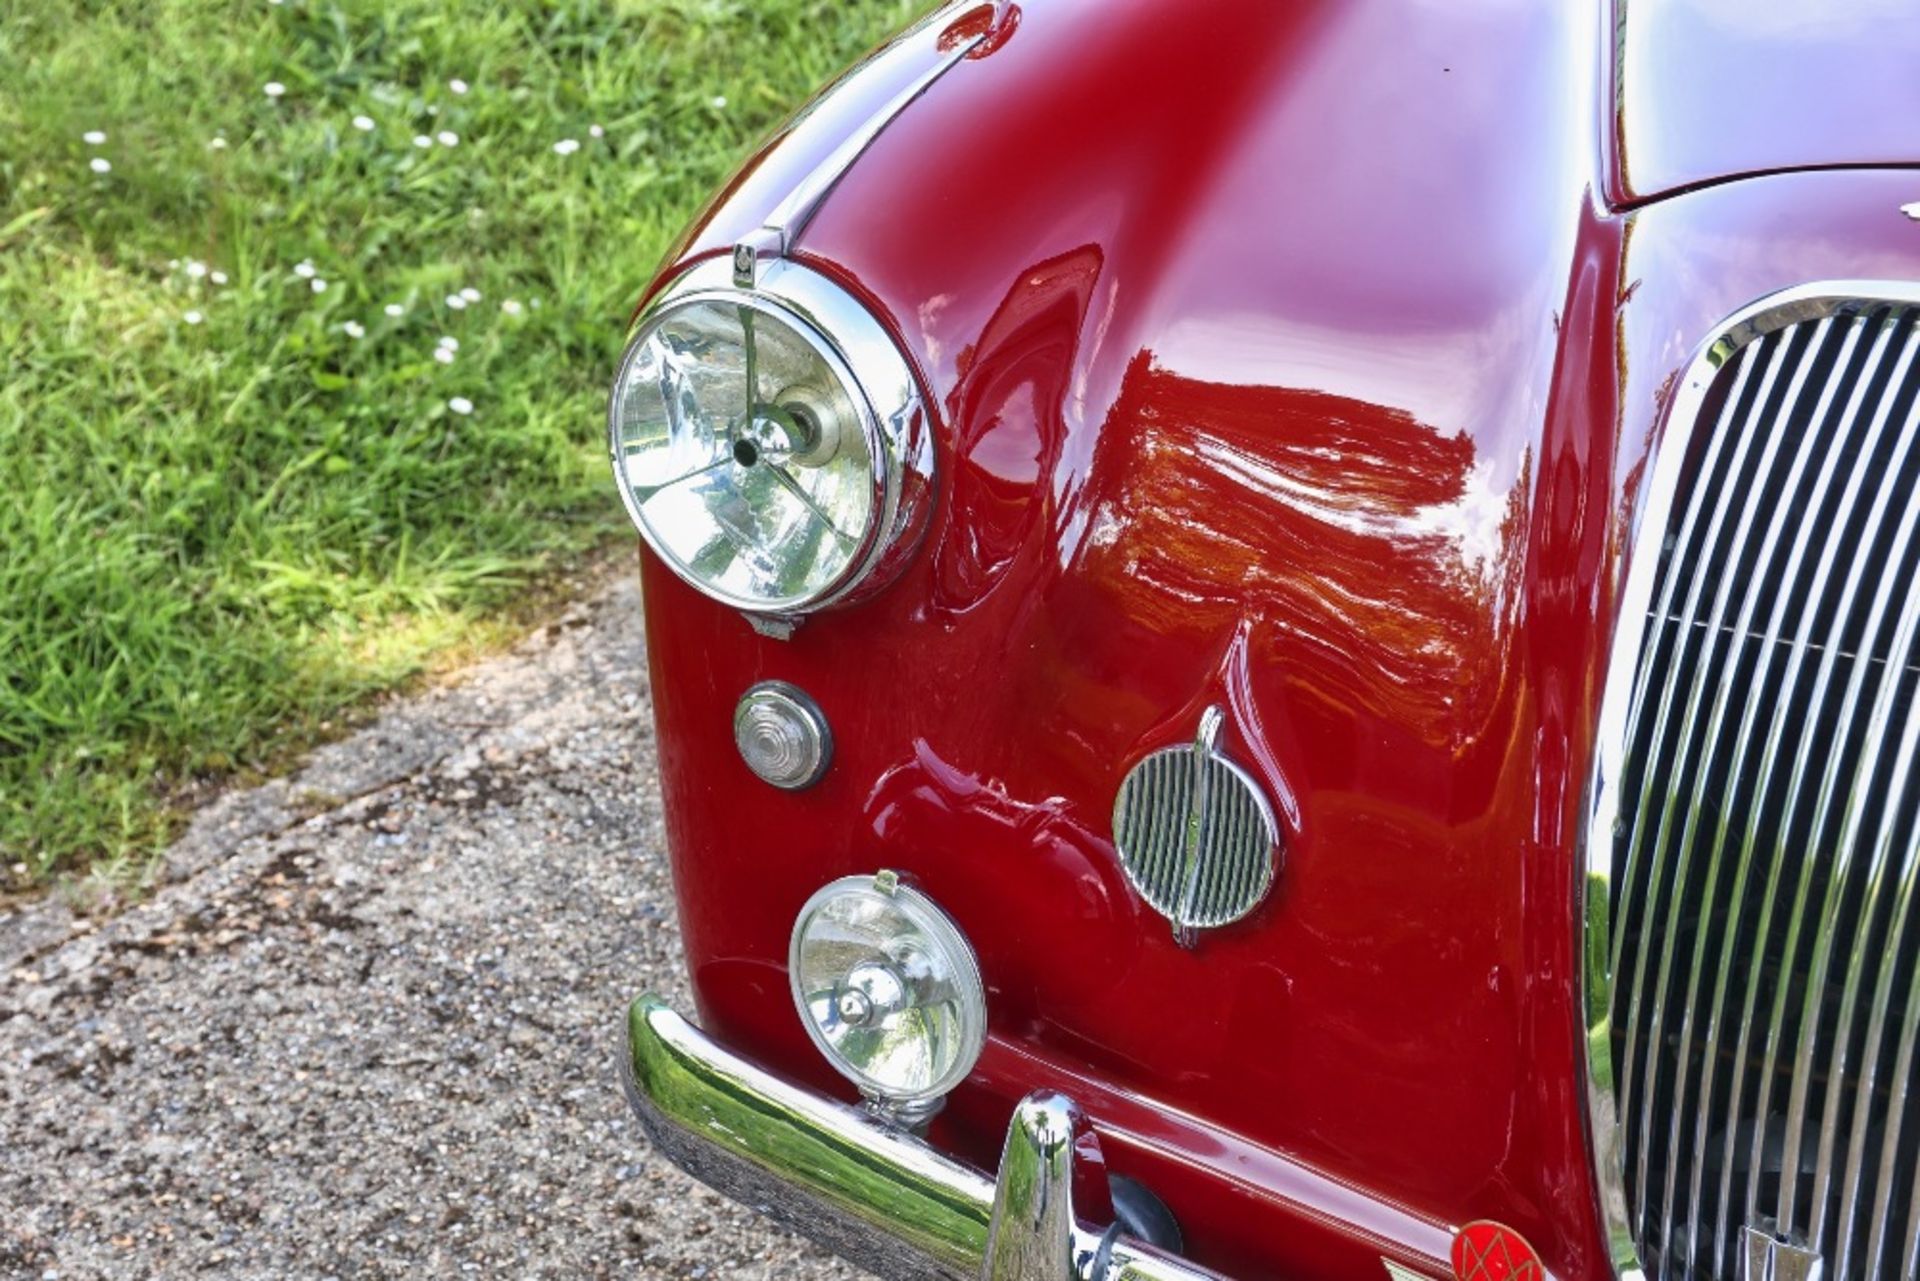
<point>769,439</point>
<point>890,991</point>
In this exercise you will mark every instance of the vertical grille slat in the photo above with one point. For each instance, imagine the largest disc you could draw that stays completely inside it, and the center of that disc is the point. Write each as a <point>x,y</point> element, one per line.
<point>1715,669</point>
<point>1804,482</point>
<point>1895,817</point>
<point>1712,548</point>
<point>1831,653</point>
<point>1890,1143</point>
<point>1747,816</point>
<point>1757,832</point>
<point>1842,863</point>
<point>1634,872</point>
<point>1885,719</point>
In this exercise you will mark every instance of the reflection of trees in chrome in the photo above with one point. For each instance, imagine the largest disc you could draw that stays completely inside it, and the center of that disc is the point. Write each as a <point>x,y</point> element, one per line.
<point>1382,546</point>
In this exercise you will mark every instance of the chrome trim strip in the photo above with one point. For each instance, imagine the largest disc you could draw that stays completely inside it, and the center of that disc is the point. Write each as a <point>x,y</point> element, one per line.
<point>1610,941</point>
<point>1400,1272</point>
<point>784,225</point>
<point>870,1192</point>
<point>791,216</point>
<point>1812,302</point>
<point>1726,496</point>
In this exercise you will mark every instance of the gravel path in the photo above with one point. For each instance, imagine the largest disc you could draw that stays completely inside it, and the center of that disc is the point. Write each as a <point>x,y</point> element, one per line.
<point>368,1025</point>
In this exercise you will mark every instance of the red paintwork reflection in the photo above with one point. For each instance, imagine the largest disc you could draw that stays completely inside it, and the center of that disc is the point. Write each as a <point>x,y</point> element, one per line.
<point>1282,359</point>
<point>1714,88</point>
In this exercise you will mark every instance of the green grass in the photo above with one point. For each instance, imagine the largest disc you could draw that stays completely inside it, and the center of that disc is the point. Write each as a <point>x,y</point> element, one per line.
<point>214,536</point>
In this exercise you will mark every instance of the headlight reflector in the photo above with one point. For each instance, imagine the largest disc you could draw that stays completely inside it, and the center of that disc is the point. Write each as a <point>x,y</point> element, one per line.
<point>889,988</point>
<point>769,441</point>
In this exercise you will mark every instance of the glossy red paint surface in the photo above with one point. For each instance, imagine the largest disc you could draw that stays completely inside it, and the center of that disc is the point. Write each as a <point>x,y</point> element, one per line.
<point>1710,89</point>
<point>1283,360</point>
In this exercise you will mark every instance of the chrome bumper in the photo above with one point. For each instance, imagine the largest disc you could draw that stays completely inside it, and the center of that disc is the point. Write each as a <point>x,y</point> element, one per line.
<point>865,1190</point>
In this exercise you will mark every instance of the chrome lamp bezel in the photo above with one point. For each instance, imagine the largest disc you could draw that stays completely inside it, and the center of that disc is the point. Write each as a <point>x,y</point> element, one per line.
<point>860,352</point>
<point>909,1107</point>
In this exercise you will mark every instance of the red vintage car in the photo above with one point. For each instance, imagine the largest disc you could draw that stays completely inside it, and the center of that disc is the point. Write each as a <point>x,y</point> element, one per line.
<point>1285,640</point>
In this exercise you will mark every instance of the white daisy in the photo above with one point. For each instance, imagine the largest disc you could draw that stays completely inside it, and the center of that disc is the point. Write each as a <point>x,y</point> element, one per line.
<point>458,86</point>
<point>421,140</point>
<point>565,147</point>
<point>460,405</point>
<point>470,294</point>
<point>100,164</point>
<point>304,269</point>
<point>354,329</point>
<point>318,285</point>
<point>443,354</point>
<point>448,343</point>
<point>217,144</point>
<point>196,268</point>
<point>363,123</point>
<point>218,277</point>
<point>719,102</point>
<point>511,306</point>
<point>192,317</point>
<point>93,137</point>
<point>448,138</point>
<point>275,89</point>
<point>595,131</point>
<point>456,302</point>
<point>395,309</point>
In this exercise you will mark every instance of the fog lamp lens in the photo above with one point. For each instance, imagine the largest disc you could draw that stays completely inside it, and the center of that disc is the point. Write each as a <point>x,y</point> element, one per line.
<point>888,987</point>
<point>782,735</point>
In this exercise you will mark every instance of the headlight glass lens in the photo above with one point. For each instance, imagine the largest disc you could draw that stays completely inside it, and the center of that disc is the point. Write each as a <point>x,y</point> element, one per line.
<point>744,453</point>
<point>889,988</point>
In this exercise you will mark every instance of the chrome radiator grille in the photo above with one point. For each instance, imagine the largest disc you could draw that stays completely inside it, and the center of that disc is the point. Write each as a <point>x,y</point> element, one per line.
<point>1752,928</point>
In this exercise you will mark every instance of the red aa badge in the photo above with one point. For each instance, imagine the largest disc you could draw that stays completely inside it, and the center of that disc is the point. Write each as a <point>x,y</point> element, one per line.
<point>1487,1251</point>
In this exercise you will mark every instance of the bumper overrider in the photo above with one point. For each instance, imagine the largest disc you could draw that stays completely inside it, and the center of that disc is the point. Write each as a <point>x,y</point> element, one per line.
<point>867,1189</point>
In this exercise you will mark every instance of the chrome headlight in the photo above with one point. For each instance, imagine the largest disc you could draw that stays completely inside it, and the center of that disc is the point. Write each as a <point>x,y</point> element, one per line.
<point>770,441</point>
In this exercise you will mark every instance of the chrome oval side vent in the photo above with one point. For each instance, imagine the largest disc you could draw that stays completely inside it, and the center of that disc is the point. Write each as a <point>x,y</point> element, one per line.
<point>1195,834</point>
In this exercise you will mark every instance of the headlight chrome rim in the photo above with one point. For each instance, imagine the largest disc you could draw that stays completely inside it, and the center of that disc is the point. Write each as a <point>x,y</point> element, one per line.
<point>874,374</point>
